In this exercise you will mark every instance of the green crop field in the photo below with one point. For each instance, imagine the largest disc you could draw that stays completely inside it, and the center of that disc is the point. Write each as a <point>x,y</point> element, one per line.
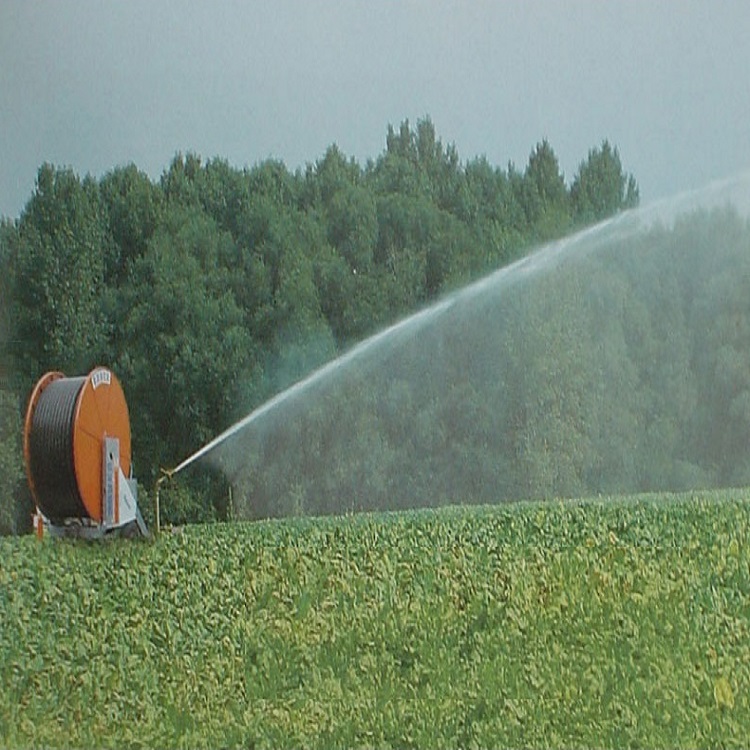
<point>608,623</point>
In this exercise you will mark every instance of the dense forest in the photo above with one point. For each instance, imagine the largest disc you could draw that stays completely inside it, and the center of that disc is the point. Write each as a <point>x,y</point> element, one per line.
<point>614,361</point>
<point>215,287</point>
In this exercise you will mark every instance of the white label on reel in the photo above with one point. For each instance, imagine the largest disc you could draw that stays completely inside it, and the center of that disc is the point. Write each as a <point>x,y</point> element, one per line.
<point>101,376</point>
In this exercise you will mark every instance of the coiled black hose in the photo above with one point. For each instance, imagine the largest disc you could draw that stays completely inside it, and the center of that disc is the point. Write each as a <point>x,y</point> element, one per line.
<point>51,451</point>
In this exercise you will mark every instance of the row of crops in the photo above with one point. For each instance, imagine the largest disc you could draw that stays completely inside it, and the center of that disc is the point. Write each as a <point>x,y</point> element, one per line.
<point>616,622</point>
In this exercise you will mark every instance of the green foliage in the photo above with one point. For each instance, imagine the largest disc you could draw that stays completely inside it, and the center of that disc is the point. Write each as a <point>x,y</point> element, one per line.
<point>615,361</point>
<point>192,500</point>
<point>214,288</point>
<point>545,197</point>
<point>601,188</point>
<point>11,462</point>
<point>58,264</point>
<point>187,345</point>
<point>15,513</point>
<point>614,623</point>
<point>134,210</point>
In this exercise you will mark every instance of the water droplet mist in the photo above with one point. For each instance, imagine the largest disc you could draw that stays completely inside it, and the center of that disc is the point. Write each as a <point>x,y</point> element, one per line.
<point>614,361</point>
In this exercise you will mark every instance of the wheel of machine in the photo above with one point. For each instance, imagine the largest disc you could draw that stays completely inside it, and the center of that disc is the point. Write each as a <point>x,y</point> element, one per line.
<point>66,422</point>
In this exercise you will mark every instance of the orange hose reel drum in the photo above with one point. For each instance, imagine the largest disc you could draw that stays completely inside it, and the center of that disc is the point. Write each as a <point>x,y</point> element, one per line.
<point>66,422</point>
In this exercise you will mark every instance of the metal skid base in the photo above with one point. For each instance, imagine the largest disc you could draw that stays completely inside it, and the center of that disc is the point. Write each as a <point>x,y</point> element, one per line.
<point>120,513</point>
<point>75,528</point>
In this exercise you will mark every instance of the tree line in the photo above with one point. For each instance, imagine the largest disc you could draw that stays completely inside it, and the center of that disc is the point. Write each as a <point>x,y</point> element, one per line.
<point>215,287</point>
<point>618,361</point>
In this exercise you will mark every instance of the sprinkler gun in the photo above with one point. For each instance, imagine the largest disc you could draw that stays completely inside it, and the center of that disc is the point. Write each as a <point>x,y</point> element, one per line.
<point>165,474</point>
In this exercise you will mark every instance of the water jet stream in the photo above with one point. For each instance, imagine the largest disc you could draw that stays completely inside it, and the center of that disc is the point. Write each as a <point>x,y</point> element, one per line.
<point>613,360</point>
<point>407,326</point>
<point>359,350</point>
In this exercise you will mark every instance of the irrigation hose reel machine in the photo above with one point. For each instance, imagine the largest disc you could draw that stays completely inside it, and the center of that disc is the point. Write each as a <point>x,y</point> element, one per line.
<point>76,447</point>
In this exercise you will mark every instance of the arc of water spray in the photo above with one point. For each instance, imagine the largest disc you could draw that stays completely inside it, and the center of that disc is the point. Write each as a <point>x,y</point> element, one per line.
<point>413,322</point>
<point>418,319</point>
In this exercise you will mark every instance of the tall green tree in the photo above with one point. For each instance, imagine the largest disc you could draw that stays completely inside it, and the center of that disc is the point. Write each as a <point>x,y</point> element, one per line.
<point>15,510</point>
<point>545,196</point>
<point>601,188</point>
<point>188,348</point>
<point>302,337</point>
<point>332,174</point>
<point>133,208</point>
<point>8,238</point>
<point>179,183</point>
<point>353,226</point>
<point>715,264</point>
<point>59,261</point>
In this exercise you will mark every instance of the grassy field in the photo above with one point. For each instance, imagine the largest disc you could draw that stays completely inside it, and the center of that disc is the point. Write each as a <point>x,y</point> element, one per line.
<point>610,623</point>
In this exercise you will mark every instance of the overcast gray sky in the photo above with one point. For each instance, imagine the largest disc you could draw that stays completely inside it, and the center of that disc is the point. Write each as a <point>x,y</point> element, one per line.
<point>94,84</point>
